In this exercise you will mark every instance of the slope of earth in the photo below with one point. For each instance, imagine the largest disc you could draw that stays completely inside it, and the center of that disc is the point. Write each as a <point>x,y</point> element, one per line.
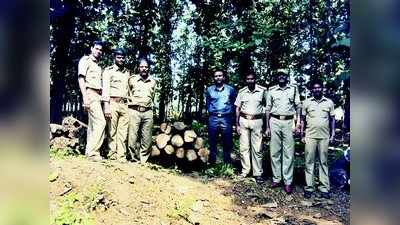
<point>85,192</point>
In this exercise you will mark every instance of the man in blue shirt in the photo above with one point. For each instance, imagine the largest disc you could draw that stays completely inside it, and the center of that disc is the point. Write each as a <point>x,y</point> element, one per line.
<point>220,99</point>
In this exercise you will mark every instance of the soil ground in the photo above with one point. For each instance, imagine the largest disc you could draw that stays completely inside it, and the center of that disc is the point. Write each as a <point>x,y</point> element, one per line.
<point>111,193</point>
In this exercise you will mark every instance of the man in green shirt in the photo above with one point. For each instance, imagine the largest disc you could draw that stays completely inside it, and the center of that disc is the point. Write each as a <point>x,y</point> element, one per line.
<point>317,112</point>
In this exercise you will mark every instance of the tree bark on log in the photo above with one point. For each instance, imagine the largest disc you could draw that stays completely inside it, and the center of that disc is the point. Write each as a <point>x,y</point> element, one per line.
<point>169,149</point>
<point>162,140</point>
<point>180,153</point>
<point>189,136</point>
<point>177,140</point>
<point>198,143</point>
<point>191,155</point>
<point>165,128</point>
<point>155,151</point>
<point>179,126</point>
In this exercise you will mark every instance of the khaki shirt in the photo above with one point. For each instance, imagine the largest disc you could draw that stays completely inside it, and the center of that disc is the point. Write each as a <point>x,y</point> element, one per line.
<point>317,116</point>
<point>283,101</point>
<point>115,82</point>
<point>141,92</point>
<point>251,102</point>
<point>89,68</point>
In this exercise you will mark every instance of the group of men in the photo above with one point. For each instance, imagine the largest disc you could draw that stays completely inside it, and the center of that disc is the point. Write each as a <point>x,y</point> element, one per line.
<point>120,107</point>
<point>284,116</point>
<point>118,103</point>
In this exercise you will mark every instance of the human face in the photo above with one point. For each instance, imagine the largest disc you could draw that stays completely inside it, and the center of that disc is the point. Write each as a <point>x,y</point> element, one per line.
<point>251,81</point>
<point>219,78</point>
<point>317,91</point>
<point>282,79</point>
<point>97,50</point>
<point>120,60</point>
<point>143,68</point>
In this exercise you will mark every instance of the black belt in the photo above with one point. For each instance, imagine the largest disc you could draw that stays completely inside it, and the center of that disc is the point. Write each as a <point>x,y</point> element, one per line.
<point>250,116</point>
<point>219,114</point>
<point>139,108</point>
<point>282,117</point>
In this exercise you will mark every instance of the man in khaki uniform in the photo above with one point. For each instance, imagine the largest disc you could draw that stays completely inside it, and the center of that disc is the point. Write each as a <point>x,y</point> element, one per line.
<point>249,113</point>
<point>283,102</point>
<point>317,111</point>
<point>115,93</point>
<point>141,94</point>
<point>90,84</point>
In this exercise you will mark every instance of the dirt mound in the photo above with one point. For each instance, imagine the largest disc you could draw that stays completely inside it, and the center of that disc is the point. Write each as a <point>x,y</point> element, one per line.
<point>84,192</point>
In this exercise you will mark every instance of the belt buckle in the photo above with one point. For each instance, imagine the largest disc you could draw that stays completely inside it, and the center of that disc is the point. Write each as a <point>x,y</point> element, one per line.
<point>142,109</point>
<point>249,117</point>
<point>219,115</point>
<point>282,117</point>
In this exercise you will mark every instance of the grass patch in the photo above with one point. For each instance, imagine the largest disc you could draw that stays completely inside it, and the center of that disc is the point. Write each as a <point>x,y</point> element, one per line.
<point>182,208</point>
<point>219,170</point>
<point>68,212</point>
<point>65,153</point>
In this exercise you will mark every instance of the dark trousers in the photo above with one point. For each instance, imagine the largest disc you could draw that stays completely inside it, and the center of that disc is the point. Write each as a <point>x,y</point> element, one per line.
<point>221,125</point>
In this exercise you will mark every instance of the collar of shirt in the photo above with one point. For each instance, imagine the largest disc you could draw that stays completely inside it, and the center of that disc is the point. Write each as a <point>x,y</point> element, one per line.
<point>220,89</point>
<point>321,100</point>
<point>117,68</point>
<point>145,81</point>
<point>256,89</point>
<point>283,88</point>
<point>92,58</point>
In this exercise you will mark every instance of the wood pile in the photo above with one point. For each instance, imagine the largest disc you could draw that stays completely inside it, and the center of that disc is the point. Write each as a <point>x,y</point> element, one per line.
<point>179,141</point>
<point>70,134</point>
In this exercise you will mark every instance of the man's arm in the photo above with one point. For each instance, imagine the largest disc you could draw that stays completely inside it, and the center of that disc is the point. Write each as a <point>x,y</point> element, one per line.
<point>82,87</point>
<point>207,95</point>
<point>333,128</point>
<point>106,93</point>
<point>332,122</point>
<point>298,109</point>
<point>267,112</point>
<point>237,119</point>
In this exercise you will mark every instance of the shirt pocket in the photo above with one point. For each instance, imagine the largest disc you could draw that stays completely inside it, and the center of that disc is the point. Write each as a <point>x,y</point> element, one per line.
<point>325,112</point>
<point>312,112</point>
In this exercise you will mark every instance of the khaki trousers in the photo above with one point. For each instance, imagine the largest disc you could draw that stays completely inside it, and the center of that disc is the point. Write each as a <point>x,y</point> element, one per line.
<point>282,144</point>
<point>96,125</point>
<point>117,131</point>
<point>250,146</point>
<point>312,144</point>
<point>140,125</point>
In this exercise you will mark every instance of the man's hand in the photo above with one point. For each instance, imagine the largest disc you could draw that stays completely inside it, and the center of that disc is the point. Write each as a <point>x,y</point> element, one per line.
<point>298,128</point>
<point>332,139</point>
<point>86,102</point>
<point>268,132</point>
<point>107,110</point>
<point>238,129</point>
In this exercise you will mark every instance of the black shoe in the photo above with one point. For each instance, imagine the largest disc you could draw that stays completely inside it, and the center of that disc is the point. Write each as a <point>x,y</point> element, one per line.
<point>325,195</point>
<point>259,179</point>
<point>307,194</point>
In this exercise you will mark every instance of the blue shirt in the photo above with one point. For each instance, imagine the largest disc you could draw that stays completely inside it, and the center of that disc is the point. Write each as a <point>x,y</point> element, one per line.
<point>220,101</point>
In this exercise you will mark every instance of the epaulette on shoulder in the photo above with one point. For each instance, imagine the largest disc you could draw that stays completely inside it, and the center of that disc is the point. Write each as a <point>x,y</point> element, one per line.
<point>109,68</point>
<point>242,89</point>
<point>273,87</point>
<point>262,87</point>
<point>84,58</point>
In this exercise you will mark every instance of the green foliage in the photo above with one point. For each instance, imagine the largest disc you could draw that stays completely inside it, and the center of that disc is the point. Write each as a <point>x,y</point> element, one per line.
<point>68,212</point>
<point>219,170</point>
<point>182,208</point>
<point>186,40</point>
<point>63,153</point>
<point>198,127</point>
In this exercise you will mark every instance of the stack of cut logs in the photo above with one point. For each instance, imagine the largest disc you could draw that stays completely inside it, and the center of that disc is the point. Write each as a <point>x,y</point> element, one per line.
<point>70,134</point>
<point>178,140</point>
